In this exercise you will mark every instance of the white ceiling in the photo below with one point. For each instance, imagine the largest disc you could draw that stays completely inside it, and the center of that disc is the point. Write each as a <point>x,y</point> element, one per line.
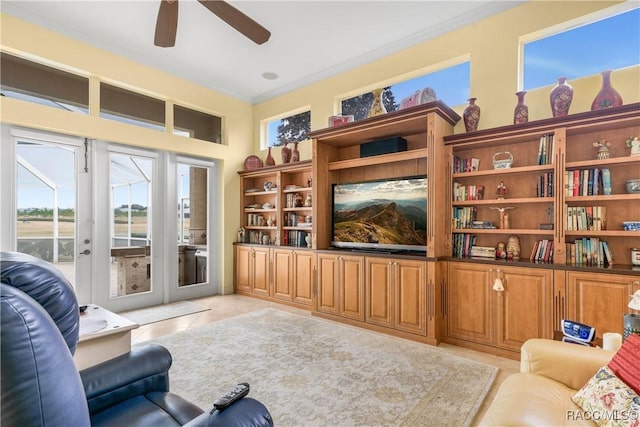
<point>310,40</point>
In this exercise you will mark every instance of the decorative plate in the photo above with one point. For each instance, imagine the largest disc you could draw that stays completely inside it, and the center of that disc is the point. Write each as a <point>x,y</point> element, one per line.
<point>252,162</point>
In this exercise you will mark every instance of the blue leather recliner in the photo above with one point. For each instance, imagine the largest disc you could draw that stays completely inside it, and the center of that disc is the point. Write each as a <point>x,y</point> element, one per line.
<point>42,387</point>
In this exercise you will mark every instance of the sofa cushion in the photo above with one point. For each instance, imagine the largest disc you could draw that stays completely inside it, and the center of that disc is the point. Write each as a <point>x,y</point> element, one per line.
<point>608,401</point>
<point>625,364</point>
<point>533,400</point>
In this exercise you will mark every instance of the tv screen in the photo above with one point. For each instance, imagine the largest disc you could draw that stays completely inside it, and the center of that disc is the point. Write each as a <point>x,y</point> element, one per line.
<point>388,214</point>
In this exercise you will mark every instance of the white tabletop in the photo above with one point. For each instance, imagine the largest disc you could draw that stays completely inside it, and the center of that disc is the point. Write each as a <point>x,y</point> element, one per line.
<point>96,322</point>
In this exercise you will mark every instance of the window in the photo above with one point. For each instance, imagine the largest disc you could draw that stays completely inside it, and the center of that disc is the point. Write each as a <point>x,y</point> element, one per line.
<point>196,124</point>
<point>289,129</point>
<point>451,85</point>
<point>129,107</point>
<point>607,44</point>
<point>33,82</point>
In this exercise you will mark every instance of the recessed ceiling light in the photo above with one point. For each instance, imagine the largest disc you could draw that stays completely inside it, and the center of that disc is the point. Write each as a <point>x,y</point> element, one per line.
<point>269,75</point>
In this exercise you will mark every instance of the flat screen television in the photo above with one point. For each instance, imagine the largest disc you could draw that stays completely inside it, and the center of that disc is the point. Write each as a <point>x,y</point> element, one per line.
<point>387,215</point>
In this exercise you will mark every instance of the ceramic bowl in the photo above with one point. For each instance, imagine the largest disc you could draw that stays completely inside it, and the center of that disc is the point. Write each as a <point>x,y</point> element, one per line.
<point>633,186</point>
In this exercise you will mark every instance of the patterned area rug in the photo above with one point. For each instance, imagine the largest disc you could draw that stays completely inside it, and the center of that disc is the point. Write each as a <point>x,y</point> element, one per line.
<point>157,313</point>
<point>314,372</point>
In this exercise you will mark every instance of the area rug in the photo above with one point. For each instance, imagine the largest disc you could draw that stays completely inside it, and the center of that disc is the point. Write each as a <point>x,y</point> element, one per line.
<point>314,372</point>
<point>157,313</point>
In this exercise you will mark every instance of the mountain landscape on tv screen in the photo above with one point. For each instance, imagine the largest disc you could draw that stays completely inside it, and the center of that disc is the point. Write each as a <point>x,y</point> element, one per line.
<point>401,222</point>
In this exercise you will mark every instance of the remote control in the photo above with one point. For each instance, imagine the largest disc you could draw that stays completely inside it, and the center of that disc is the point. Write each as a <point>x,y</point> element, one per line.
<point>238,392</point>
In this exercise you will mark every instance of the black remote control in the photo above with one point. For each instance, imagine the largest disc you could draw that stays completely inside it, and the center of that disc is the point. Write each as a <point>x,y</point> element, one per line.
<point>238,392</point>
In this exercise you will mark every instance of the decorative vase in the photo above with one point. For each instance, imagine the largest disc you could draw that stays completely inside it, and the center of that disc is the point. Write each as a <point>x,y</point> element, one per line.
<point>377,106</point>
<point>521,112</point>
<point>561,96</point>
<point>608,96</point>
<point>269,161</point>
<point>286,153</point>
<point>295,154</point>
<point>471,115</point>
<point>631,324</point>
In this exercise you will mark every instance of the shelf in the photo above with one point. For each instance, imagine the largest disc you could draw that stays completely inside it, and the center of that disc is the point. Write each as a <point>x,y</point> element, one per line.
<point>255,210</point>
<point>603,198</point>
<point>260,193</point>
<point>300,208</point>
<point>420,153</point>
<point>508,171</point>
<point>603,233</point>
<point>602,162</point>
<point>520,201</point>
<point>502,231</point>
<point>298,228</point>
<point>258,227</point>
<point>297,190</point>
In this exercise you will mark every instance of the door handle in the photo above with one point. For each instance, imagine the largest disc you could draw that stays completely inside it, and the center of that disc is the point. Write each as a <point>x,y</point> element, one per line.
<point>85,252</point>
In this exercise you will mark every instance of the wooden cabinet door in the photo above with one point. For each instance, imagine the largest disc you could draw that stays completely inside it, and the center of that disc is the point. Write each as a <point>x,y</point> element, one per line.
<point>283,274</point>
<point>600,300</point>
<point>261,271</point>
<point>379,293</point>
<point>352,287</point>
<point>244,268</point>
<point>469,303</point>
<point>410,296</point>
<point>523,309</point>
<point>328,291</point>
<point>303,270</point>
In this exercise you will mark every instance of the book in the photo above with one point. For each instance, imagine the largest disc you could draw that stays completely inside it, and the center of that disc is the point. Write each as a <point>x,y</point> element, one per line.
<point>606,181</point>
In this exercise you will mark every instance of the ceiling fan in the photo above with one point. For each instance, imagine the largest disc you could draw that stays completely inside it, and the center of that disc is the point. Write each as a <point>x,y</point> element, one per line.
<point>167,22</point>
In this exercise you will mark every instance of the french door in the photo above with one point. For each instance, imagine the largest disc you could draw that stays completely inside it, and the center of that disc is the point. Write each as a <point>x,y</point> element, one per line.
<point>129,227</point>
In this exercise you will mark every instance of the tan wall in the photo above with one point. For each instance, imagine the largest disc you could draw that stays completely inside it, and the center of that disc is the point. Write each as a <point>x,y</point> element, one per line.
<point>492,47</point>
<point>19,37</point>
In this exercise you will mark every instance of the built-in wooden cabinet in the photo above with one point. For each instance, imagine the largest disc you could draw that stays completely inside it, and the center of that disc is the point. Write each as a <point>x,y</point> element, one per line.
<point>599,299</point>
<point>341,285</point>
<point>396,294</point>
<point>253,270</point>
<point>484,187</point>
<point>498,306</point>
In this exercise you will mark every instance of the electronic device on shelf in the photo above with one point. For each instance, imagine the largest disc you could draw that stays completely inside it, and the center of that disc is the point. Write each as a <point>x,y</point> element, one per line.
<point>577,332</point>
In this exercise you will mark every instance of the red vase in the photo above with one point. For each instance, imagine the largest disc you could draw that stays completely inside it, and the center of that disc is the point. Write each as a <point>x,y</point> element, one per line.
<point>269,161</point>
<point>286,153</point>
<point>608,96</point>
<point>561,96</point>
<point>471,115</point>
<point>295,154</point>
<point>521,112</point>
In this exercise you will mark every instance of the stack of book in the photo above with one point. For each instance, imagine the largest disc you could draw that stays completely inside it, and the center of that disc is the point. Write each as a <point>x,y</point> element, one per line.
<point>465,165</point>
<point>542,251</point>
<point>590,251</point>
<point>467,192</point>
<point>545,149</point>
<point>587,182</point>
<point>462,245</point>
<point>586,218</point>
<point>544,185</point>
<point>294,238</point>
<point>464,217</point>
<point>483,252</point>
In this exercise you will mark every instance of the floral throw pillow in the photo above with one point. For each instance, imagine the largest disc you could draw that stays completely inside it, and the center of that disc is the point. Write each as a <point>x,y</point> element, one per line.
<point>608,401</point>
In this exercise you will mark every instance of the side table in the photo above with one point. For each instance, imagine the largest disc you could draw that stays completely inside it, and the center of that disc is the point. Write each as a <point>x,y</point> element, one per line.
<point>103,336</point>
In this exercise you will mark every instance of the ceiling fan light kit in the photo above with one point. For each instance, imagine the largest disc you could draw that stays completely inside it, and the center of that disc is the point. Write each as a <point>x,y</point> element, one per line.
<point>167,22</point>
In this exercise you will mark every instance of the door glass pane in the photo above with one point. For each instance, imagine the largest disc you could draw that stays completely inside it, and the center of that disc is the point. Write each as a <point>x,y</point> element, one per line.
<point>46,195</point>
<point>192,224</point>
<point>130,179</point>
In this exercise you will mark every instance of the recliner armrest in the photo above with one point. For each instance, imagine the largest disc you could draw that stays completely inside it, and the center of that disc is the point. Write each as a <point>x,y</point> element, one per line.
<point>143,370</point>
<point>246,412</point>
<point>571,364</point>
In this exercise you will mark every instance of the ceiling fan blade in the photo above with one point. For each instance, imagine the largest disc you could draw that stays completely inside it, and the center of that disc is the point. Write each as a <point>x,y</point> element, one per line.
<point>238,20</point>
<point>167,24</point>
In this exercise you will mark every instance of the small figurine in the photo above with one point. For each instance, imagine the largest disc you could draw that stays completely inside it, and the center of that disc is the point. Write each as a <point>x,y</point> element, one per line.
<point>501,251</point>
<point>634,143</point>
<point>513,248</point>
<point>603,148</point>
<point>503,221</point>
<point>241,235</point>
<point>501,191</point>
<point>307,201</point>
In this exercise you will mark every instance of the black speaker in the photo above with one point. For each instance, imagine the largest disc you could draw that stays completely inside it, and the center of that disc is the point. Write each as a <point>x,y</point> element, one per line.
<point>383,146</point>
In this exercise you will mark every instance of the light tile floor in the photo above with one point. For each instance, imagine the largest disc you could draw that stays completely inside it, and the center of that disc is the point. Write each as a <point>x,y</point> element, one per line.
<point>222,307</point>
